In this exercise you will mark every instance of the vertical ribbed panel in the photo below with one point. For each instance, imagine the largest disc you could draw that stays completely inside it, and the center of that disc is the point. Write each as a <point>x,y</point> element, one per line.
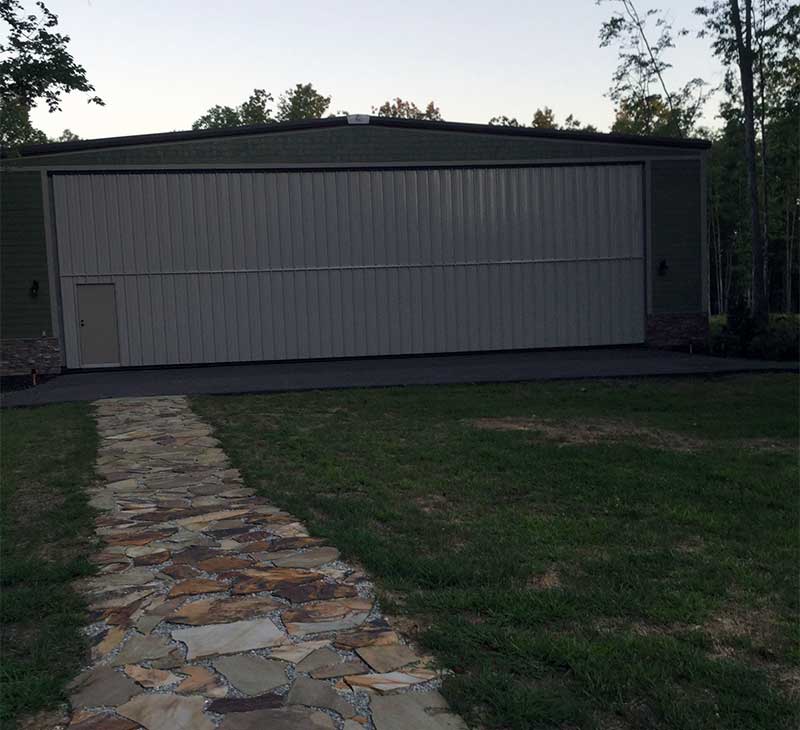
<point>236,266</point>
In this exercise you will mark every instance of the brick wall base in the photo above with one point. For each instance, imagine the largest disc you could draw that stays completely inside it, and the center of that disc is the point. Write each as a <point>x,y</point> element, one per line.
<point>671,331</point>
<point>19,356</point>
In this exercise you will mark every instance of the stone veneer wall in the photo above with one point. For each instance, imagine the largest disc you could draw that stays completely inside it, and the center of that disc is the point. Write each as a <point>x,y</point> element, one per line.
<point>677,330</point>
<point>20,355</point>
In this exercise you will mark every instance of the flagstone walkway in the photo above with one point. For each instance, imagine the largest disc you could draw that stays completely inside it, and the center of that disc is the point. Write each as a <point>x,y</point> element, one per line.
<point>212,608</point>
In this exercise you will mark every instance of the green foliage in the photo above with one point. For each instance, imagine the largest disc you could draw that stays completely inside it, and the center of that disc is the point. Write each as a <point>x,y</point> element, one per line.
<point>400,109</point>
<point>35,66</point>
<point>66,136</point>
<point>646,115</point>
<point>544,119</point>
<point>16,128</point>
<point>652,550</point>
<point>729,220</point>
<point>737,334</point>
<point>254,110</point>
<point>302,102</point>
<point>504,121</point>
<point>775,44</point>
<point>644,104</point>
<point>576,125</point>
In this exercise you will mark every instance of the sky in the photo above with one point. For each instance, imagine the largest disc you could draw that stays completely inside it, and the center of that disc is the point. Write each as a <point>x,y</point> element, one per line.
<point>159,65</point>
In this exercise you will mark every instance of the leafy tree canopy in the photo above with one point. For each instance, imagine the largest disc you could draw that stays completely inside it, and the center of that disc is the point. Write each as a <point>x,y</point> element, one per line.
<point>645,115</point>
<point>401,109</point>
<point>776,32</point>
<point>16,127</point>
<point>755,160</point>
<point>66,136</point>
<point>644,103</point>
<point>302,102</point>
<point>577,126</point>
<point>544,119</point>
<point>35,66</point>
<point>504,121</point>
<point>255,110</point>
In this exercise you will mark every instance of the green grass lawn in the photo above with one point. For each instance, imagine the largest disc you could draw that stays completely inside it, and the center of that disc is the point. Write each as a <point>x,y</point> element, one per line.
<point>619,554</point>
<point>46,461</point>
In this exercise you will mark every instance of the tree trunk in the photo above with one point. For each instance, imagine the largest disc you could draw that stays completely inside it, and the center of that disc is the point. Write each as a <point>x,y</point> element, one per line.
<point>792,215</point>
<point>787,280</point>
<point>712,238</point>
<point>715,236</point>
<point>759,307</point>
<point>764,170</point>
<point>728,277</point>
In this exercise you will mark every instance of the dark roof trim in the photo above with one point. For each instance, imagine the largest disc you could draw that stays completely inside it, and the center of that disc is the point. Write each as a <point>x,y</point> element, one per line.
<point>574,136</point>
<point>200,134</point>
<point>187,135</point>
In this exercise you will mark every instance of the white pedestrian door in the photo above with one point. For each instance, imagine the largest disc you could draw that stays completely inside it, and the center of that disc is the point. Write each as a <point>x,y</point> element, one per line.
<point>97,312</point>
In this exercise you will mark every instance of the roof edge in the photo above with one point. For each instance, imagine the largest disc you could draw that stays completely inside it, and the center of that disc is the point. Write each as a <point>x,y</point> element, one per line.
<point>564,134</point>
<point>53,148</point>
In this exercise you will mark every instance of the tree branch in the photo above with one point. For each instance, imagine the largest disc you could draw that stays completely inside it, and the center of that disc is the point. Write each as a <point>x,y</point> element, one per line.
<point>630,8</point>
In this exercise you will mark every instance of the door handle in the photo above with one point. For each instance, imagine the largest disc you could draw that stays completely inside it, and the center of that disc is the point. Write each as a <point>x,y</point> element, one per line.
<point>82,323</point>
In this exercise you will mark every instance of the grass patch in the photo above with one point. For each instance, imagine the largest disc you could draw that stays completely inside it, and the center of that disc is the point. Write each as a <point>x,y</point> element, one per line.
<point>47,461</point>
<point>611,583</point>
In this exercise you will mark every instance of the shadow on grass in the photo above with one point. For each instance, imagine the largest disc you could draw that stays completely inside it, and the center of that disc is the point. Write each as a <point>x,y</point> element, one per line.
<point>48,457</point>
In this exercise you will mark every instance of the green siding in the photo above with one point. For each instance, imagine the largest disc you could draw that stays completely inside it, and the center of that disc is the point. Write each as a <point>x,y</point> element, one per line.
<point>363,144</point>
<point>677,236</point>
<point>23,257</point>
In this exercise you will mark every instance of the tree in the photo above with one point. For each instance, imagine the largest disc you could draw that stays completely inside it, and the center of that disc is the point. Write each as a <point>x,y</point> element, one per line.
<point>729,223</point>
<point>504,121</point>
<point>302,102</point>
<point>66,136</point>
<point>254,110</point>
<point>400,109</point>
<point>746,60</point>
<point>644,104</point>
<point>35,66</point>
<point>576,125</point>
<point>762,43</point>
<point>544,119</point>
<point>648,115</point>
<point>16,127</point>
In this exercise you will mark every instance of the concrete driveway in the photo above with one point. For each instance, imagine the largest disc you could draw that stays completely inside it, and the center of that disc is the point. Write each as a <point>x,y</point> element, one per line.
<point>420,370</point>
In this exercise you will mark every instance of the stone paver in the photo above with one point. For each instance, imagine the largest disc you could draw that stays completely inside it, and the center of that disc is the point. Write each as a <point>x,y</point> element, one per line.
<point>418,710</point>
<point>250,673</point>
<point>167,712</point>
<point>102,686</point>
<point>214,609</point>
<point>391,681</point>
<point>387,658</point>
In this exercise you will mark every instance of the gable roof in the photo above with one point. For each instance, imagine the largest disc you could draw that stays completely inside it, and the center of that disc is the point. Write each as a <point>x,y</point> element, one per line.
<point>311,124</point>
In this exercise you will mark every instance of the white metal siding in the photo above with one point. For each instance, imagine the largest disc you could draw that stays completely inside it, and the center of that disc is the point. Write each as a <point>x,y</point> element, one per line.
<point>236,266</point>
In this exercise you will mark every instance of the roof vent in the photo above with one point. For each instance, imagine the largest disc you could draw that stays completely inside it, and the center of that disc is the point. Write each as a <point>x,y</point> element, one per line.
<point>358,118</point>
